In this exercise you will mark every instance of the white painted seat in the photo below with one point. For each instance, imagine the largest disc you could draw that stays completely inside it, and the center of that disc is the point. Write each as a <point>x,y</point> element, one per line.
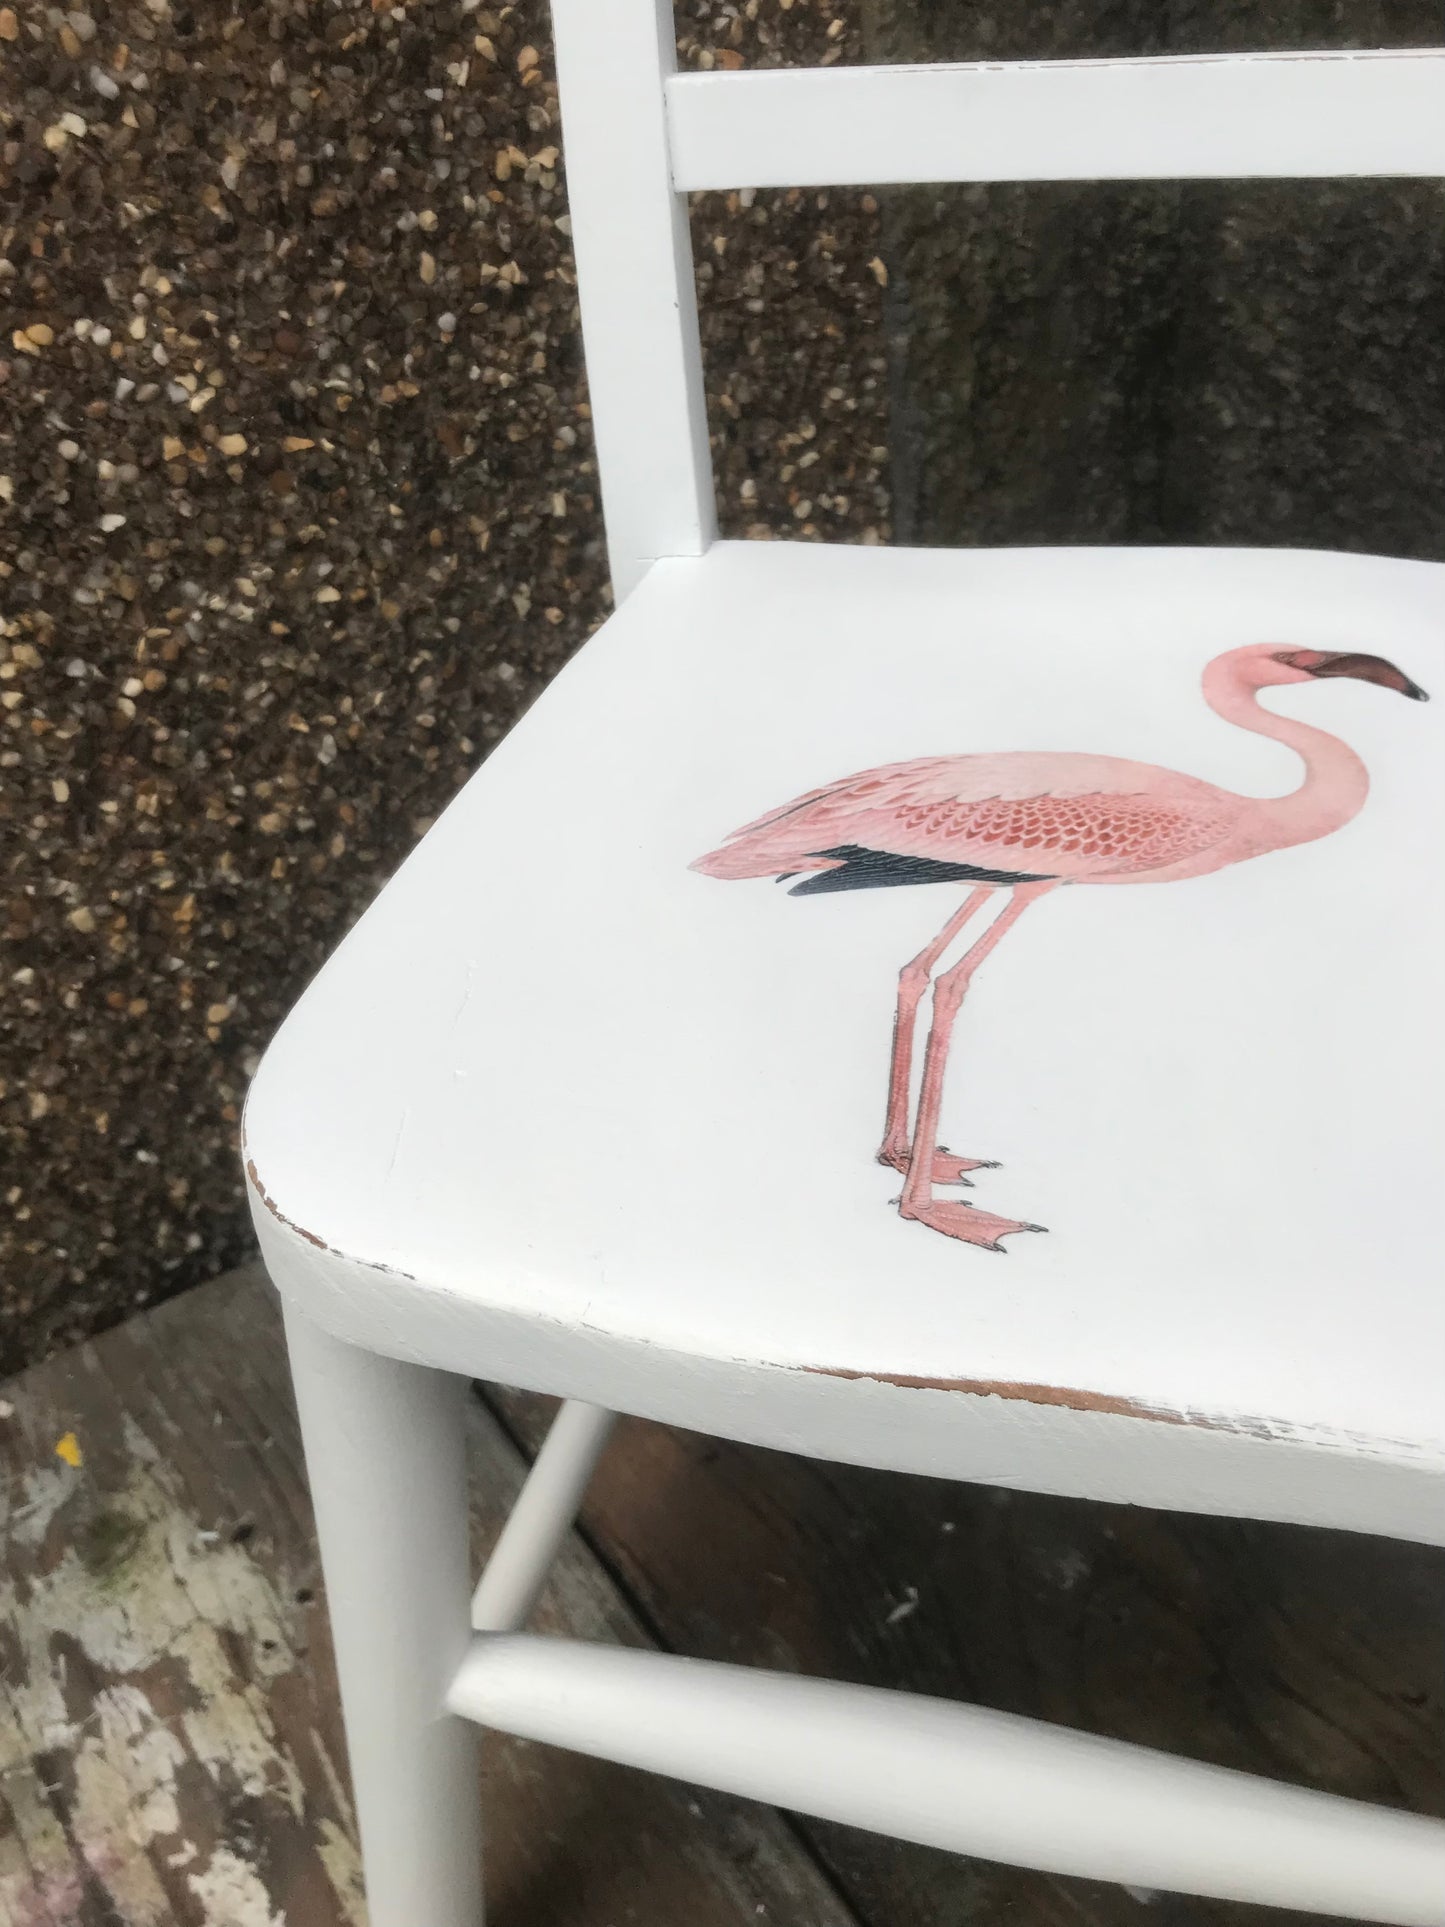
<point>614,1122</point>
<point>565,1111</point>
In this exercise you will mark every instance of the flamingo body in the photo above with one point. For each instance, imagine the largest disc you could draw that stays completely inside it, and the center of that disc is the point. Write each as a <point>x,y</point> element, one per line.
<point>1031,821</point>
<point>1019,816</point>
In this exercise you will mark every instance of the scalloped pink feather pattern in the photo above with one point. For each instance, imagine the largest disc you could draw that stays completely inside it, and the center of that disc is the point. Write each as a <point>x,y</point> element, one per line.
<point>1077,817</point>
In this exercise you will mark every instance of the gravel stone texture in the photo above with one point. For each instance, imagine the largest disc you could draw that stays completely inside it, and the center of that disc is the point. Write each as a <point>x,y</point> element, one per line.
<point>297,513</point>
<point>298,509</point>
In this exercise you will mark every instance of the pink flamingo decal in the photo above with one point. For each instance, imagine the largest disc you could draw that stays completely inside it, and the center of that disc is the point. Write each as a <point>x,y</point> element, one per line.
<point>1028,823</point>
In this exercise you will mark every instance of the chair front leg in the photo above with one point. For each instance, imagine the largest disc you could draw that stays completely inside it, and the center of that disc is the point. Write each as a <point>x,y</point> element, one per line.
<point>385,1454</point>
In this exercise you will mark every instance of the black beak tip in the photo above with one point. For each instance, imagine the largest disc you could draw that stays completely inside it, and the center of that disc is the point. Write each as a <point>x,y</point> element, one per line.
<point>1417,694</point>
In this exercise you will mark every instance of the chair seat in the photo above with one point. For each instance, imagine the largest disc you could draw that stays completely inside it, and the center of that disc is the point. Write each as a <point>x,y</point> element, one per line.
<point>563,1110</point>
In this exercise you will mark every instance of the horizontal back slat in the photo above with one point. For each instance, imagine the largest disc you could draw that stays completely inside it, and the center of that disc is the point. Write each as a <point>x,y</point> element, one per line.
<point>1258,115</point>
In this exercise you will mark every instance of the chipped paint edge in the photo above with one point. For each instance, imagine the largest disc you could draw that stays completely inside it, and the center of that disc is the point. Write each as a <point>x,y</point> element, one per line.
<point>277,1213</point>
<point>1074,1400</point>
<point>1120,1405</point>
<point>1066,1440</point>
<point>1012,1391</point>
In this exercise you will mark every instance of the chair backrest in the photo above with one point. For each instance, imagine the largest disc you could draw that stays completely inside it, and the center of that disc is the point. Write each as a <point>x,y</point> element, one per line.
<point>640,137</point>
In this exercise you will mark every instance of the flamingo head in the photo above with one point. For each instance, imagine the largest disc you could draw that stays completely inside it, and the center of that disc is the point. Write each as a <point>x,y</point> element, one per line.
<point>1314,665</point>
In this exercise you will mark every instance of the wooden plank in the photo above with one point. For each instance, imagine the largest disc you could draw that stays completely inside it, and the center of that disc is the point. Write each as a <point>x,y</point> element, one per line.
<point>1287,115</point>
<point>1306,1655</point>
<point>172,1755</point>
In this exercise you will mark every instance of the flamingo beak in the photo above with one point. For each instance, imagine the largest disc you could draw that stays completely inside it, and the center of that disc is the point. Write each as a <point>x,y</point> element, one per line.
<point>1361,668</point>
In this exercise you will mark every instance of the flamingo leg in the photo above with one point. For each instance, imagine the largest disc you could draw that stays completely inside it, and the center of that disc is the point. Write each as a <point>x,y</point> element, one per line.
<point>913,980</point>
<point>957,1220</point>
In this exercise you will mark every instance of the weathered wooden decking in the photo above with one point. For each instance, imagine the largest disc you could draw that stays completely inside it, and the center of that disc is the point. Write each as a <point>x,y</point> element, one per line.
<point>172,1755</point>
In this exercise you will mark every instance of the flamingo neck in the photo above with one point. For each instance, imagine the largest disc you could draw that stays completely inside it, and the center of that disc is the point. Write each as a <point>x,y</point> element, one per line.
<point>1336,782</point>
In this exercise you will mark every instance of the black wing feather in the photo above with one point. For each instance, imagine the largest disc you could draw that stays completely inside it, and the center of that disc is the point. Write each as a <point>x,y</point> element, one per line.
<point>860,868</point>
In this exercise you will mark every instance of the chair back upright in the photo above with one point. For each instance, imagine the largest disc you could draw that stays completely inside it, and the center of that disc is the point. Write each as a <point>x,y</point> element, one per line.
<point>639,137</point>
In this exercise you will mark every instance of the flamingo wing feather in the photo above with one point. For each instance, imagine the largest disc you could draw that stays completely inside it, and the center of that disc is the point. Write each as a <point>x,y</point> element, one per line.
<point>1021,813</point>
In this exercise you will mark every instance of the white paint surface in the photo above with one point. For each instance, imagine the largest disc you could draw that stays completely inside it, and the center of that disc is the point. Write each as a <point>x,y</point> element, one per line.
<point>546,1507</point>
<point>635,283</point>
<point>964,1778</point>
<point>582,1094</point>
<point>1177,118</point>
<point>385,1460</point>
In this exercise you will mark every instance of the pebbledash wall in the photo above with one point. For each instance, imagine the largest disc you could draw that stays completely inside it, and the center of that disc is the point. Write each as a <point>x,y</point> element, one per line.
<point>297,514</point>
<point>297,509</point>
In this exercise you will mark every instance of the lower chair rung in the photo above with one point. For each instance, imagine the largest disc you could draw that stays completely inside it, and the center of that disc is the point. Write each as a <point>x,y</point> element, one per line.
<point>962,1777</point>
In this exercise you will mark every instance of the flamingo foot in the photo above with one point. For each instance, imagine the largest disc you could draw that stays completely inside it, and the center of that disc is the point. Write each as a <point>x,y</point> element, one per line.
<point>947,1169</point>
<point>964,1221</point>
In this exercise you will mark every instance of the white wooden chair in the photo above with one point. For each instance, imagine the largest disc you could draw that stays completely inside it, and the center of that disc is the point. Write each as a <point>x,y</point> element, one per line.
<point>563,1112</point>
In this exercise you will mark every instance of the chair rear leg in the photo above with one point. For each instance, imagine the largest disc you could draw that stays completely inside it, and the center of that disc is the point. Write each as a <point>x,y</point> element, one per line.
<point>542,1517</point>
<point>385,1455</point>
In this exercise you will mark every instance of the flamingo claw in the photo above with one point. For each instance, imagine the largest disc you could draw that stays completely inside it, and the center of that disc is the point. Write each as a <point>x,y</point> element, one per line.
<point>966,1222</point>
<point>947,1169</point>
<point>1001,1249</point>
